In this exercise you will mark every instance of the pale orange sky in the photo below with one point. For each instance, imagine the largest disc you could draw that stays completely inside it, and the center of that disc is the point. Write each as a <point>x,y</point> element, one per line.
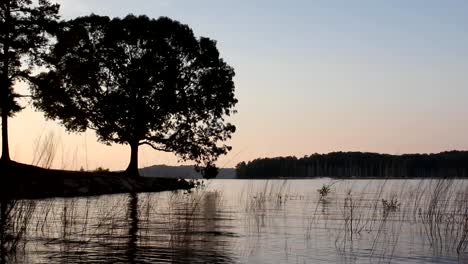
<point>310,77</point>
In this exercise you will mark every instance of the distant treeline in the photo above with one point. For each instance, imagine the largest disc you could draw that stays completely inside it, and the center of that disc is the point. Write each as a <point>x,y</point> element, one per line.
<point>358,164</point>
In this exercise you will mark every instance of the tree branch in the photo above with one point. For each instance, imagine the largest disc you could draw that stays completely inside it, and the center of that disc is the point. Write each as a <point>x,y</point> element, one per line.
<point>23,95</point>
<point>153,146</point>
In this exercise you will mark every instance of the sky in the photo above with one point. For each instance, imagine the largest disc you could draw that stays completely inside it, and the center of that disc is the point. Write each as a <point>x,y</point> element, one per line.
<point>311,77</point>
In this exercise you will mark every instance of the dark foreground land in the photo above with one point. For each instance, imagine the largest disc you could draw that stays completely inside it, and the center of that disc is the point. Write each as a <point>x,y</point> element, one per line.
<point>21,181</point>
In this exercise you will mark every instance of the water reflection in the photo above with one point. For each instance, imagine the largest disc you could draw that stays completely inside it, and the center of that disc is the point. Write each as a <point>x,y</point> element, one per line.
<point>133,227</point>
<point>141,228</point>
<point>3,243</point>
<point>274,222</point>
<point>14,219</point>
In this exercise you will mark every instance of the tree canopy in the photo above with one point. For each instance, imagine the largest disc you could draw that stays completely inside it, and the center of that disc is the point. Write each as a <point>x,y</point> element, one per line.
<point>140,81</point>
<point>23,41</point>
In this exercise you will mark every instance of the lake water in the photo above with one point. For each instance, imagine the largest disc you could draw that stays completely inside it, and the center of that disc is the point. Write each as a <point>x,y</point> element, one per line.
<point>247,221</point>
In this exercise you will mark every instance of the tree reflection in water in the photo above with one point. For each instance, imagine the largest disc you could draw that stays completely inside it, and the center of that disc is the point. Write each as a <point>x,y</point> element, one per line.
<point>202,227</point>
<point>133,227</point>
<point>14,218</point>
<point>136,228</point>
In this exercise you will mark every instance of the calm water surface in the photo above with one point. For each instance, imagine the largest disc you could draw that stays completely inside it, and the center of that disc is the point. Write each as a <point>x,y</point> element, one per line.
<point>247,221</point>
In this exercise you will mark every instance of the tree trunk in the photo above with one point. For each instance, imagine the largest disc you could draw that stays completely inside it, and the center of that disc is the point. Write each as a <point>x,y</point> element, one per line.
<point>132,169</point>
<point>4,86</point>
<point>5,149</point>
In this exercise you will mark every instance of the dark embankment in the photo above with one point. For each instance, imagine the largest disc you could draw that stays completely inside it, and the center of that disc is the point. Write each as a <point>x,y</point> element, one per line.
<point>183,171</point>
<point>359,165</point>
<point>25,181</point>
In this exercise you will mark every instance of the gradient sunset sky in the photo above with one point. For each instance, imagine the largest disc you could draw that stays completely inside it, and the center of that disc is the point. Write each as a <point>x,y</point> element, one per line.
<point>311,76</point>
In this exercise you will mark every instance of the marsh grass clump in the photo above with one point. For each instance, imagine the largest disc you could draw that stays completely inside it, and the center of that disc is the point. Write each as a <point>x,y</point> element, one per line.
<point>325,190</point>
<point>15,216</point>
<point>197,183</point>
<point>438,208</point>
<point>391,205</point>
<point>443,214</point>
<point>272,194</point>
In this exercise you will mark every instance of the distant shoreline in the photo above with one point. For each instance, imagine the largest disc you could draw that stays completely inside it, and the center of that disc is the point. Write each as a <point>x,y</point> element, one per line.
<point>352,178</point>
<point>367,165</point>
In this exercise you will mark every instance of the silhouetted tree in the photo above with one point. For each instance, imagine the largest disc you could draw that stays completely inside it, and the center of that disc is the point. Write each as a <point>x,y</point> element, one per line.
<point>141,81</point>
<point>22,41</point>
<point>209,172</point>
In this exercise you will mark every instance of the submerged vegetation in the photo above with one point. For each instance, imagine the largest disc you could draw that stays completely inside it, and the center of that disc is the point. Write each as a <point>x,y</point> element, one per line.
<point>390,205</point>
<point>325,190</point>
<point>377,215</point>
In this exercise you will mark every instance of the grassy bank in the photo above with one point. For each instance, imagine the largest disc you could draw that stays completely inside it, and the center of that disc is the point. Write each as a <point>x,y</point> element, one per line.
<point>26,181</point>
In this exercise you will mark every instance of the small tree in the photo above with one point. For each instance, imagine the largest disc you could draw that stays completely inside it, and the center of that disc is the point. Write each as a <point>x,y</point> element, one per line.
<point>22,41</point>
<point>140,81</point>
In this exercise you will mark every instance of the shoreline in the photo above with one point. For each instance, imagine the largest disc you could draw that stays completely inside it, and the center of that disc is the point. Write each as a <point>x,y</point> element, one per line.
<point>354,178</point>
<point>22,181</point>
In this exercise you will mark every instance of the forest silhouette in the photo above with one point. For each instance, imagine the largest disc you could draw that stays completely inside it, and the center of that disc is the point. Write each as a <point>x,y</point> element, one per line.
<point>358,164</point>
